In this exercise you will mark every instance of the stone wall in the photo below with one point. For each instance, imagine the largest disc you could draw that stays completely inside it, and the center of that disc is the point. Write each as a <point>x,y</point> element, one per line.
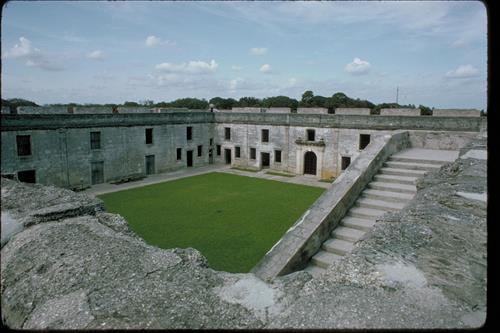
<point>353,111</point>
<point>400,112</point>
<point>312,110</point>
<point>456,113</point>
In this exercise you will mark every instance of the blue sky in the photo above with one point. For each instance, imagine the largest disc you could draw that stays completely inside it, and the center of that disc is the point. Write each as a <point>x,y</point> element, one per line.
<point>111,52</point>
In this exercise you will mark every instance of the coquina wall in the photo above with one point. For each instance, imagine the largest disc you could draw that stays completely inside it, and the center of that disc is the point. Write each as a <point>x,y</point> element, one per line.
<point>61,151</point>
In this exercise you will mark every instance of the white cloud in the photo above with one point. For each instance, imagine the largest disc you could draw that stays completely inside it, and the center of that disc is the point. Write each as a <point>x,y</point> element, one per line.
<point>258,50</point>
<point>192,67</point>
<point>23,49</point>
<point>463,71</point>
<point>266,68</point>
<point>236,68</point>
<point>233,84</point>
<point>153,41</point>
<point>97,54</point>
<point>358,66</point>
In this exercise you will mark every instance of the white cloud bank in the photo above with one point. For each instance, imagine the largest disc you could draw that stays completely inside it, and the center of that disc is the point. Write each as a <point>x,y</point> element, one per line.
<point>97,54</point>
<point>258,51</point>
<point>153,41</point>
<point>34,57</point>
<point>463,71</point>
<point>358,67</point>
<point>192,67</point>
<point>266,68</point>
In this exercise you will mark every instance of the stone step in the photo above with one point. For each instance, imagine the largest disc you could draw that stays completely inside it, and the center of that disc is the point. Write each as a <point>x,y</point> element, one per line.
<point>357,223</point>
<point>338,247</point>
<point>396,179</point>
<point>366,213</point>
<point>402,172</point>
<point>412,165</point>
<point>314,270</point>
<point>347,234</point>
<point>379,204</point>
<point>415,160</point>
<point>393,187</point>
<point>324,258</point>
<point>387,195</point>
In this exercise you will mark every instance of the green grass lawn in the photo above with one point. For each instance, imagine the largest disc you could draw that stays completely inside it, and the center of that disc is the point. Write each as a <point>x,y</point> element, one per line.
<point>233,220</point>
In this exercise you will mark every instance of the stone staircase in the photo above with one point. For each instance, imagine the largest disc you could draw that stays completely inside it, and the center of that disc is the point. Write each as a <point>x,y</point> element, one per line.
<point>390,190</point>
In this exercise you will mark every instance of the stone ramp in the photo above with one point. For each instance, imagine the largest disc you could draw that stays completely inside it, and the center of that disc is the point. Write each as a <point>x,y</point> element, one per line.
<point>390,190</point>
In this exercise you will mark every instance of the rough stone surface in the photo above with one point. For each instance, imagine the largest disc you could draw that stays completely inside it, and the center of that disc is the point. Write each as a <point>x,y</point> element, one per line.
<point>422,267</point>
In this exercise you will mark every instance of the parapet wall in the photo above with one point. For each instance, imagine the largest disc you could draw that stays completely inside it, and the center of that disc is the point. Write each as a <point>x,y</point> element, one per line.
<point>304,238</point>
<point>456,113</point>
<point>400,112</point>
<point>313,110</point>
<point>353,111</point>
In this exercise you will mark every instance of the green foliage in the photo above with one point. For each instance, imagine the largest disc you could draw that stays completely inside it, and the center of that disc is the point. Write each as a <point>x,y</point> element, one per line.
<point>279,101</point>
<point>131,104</point>
<point>223,103</point>
<point>233,227</point>
<point>249,102</point>
<point>15,102</point>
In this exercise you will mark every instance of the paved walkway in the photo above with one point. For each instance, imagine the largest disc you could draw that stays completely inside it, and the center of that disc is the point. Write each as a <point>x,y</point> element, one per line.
<point>428,154</point>
<point>169,176</point>
<point>298,179</point>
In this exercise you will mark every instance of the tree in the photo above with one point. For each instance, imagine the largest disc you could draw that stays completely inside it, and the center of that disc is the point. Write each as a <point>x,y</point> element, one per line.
<point>130,104</point>
<point>307,97</point>
<point>249,102</point>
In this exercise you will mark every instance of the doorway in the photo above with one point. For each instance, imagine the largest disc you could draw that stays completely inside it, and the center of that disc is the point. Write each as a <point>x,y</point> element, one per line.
<point>189,158</point>
<point>28,176</point>
<point>310,163</point>
<point>150,164</point>
<point>265,159</point>
<point>97,172</point>
<point>227,156</point>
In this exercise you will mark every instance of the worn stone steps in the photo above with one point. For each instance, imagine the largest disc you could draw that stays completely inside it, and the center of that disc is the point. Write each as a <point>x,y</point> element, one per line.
<point>357,223</point>
<point>387,195</point>
<point>417,160</point>
<point>393,187</point>
<point>402,172</point>
<point>337,246</point>
<point>412,165</point>
<point>366,213</point>
<point>395,179</point>
<point>347,234</point>
<point>379,204</point>
<point>315,270</point>
<point>325,258</point>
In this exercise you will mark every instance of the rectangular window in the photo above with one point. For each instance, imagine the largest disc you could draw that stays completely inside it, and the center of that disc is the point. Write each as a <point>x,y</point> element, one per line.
<point>200,150</point>
<point>179,154</point>
<point>95,140</point>
<point>277,156</point>
<point>27,176</point>
<point>311,135</point>
<point>218,150</point>
<point>265,135</point>
<point>23,145</point>
<point>149,135</point>
<point>253,153</point>
<point>211,141</point>
<point>227,133</point>
<point>97,172</point>
<point>345,162</point>
<point>237,152</point>
<point>189,133</point>
<point>364,140</point>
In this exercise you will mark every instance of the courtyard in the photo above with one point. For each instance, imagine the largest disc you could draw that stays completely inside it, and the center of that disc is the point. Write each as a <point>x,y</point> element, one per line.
<point>232,220</point>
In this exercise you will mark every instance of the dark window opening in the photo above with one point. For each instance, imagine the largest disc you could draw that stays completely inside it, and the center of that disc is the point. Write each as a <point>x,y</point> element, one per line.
<point>331,110</point>
<point>253,153</point>
<point>227,133</point>
<point>364,140</point>
<point>189,158</point>
<point>345,162</point>
<point>149,135</point>
<point>27,176</point>
<point>265,160</point>
<point>95,140</point>
<point>200,150</point>
<point>189,133</point>
<point>218,150</point>
<point>97,172</point>
<point>13,109</point>
<point>211,142</point>
<point>237,152</point>
<point>277,156</point>
<point>265,135</point>
<point>311,135</point>
<point>310,163</point>
<point>179,154</point>
<point>71,109</point>
<point>227,156</point>
<point>23,145</point>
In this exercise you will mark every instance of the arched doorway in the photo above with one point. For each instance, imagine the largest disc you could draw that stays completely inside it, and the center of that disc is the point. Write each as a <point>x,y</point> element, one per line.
<point>310,163</point>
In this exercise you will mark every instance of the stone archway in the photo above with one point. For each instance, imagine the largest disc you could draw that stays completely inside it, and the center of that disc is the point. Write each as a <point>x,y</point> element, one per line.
<point>310,162</point>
